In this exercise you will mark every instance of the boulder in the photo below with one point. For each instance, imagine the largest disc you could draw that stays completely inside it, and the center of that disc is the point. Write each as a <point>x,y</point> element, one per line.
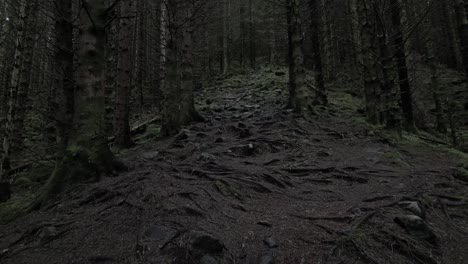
<point>416,226</point>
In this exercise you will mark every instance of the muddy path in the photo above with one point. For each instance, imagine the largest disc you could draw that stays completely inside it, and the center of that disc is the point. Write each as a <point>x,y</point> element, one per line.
<point>254,184</point>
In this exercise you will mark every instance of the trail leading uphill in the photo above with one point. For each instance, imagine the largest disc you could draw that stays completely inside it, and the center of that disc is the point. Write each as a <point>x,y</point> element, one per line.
<point>254,184</point>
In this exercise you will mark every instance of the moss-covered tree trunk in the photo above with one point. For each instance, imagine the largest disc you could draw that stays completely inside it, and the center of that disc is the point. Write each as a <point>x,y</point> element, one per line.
<point>87,155</point>
<point>300,97</point>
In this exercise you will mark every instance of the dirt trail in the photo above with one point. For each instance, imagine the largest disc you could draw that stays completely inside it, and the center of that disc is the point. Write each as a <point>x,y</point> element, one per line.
<point>253,184</point>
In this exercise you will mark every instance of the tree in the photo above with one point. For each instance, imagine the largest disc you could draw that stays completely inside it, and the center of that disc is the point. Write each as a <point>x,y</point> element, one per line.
<point>87,155</point>
<point>463,32</point>
<point>124,77</point>
<point>300,97</point>
<point>13,89</point>
<point>368,53</point>
<point>402,69</point>
<point>321,96</point>
<point>178,105</point>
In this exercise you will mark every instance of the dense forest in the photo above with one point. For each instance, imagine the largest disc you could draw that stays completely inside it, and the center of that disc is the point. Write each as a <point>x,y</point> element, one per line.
<point>234,131</point>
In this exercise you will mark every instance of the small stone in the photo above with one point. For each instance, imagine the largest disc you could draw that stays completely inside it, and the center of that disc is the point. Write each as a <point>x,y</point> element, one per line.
<point>207,259</point>
<point>206,243</point>
<point>48,232</point>
<point>183,135</point>
<point>248,149</point>
<point>267,259</point>
<point>206,157</point>
<point>219,140</point>
<point>270,242</point>
<point>155,237</point>
<point>150,155</point>
<point>264,223</point>
<point>413,207</point>
<point>244,133</point>
<point>323,154</point>
<point>415,226</point>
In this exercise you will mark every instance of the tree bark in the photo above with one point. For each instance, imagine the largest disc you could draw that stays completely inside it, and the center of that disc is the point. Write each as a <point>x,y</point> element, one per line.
<point>368,52</point>
<point>226,37</point>
<point>64,81</point>
<point>400,55</point>
<point>124,77</point>
<point>178,105</point>
<point>321,93</point>
<point>300,97</point>
<point>88,155</point>
<point>13,89</point>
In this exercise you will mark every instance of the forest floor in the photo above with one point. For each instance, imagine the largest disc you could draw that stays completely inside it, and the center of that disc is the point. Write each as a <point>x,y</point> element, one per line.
<point>256,185</point>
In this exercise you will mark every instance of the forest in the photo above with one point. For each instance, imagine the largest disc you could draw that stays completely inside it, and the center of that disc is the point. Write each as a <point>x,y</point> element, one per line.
<point>234,131</point>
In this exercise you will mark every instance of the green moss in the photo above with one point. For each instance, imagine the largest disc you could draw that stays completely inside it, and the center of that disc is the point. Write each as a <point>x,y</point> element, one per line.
<point>395,157</point>
<point>15,207</point>
<point>152,131</point>
<point>461,173</point>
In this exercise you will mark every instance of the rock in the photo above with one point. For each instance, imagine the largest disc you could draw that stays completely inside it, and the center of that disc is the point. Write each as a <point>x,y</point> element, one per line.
<point>270,242</point>
<point>219,140</point>
<point>100,259</point>
<point>413,207</point>
<point>48,232</point>
<point>205,243</point>
<point>416,226</point>
<point>183,135</point>
<point>244,133</point>
<point>150,155</point>
<point>267,259</point>
<point>264,223</point>
<point>243,149</point>
<point>323,154</point>
<point>207,259</point>
<point>5,191</point>
<point>154,238</point>
<point>206,157</point>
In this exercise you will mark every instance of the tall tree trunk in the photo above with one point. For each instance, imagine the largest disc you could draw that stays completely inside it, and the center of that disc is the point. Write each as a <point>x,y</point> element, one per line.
<point>252,37</point>
<point>63,67</point>
<point>390,109</point>
<point>368,52</point>
<point>88,155</point>
<point>354,16</point>
<point>463,31</point>
<point>452,32</point>
<point>124,77</point>
<point>300,97</point>
<point>24,82</point>
<point>178,105</point>
<point>14,86</point>
<point>321,93</point>
<point>226,7</point>
<point>405,88</point>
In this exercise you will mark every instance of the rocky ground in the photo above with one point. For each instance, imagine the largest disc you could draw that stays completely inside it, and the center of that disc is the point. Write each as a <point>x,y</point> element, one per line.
<point>256,185</point>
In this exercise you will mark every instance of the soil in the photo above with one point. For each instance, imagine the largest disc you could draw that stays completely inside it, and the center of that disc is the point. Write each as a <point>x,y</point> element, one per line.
<point>264,186</point>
